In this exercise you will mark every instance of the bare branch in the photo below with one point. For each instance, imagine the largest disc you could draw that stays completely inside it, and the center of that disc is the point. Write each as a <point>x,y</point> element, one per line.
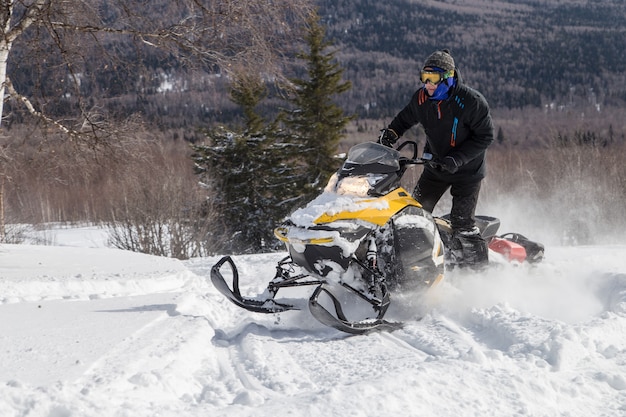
<point>33,14</point>
<point>236,36</point>
<point>228,33</point>
<point>31,109</point>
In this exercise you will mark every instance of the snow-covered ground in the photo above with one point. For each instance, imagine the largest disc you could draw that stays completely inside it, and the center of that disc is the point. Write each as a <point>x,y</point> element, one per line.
<point>87,330</point>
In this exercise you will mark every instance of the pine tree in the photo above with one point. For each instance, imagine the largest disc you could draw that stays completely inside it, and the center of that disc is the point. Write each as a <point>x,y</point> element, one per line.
<point>248,175</point>
<point>261,172</point>
<point>315,121</point>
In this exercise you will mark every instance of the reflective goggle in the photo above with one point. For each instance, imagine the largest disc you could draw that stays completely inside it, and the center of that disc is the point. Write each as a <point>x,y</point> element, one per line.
<point>435,77</point>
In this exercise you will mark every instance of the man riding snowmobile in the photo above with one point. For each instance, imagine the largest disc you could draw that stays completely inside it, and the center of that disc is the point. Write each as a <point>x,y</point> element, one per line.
<point>459,130</point>
<point>363,237</point>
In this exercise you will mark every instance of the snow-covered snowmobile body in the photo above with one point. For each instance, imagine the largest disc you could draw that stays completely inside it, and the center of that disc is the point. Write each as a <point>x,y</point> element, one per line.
<point>364,235</point>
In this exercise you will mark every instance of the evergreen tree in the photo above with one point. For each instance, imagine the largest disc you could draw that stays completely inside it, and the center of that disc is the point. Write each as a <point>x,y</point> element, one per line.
<point>246,171</point>
<point>315,121</point>
<point>262,171</point>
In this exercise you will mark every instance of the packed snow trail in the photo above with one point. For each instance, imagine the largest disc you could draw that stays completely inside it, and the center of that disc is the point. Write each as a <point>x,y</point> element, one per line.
<point>102,332</point>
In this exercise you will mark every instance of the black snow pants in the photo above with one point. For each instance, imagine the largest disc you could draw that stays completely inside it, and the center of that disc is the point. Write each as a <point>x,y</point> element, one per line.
<point>466,247</point>
<point>429,190</point>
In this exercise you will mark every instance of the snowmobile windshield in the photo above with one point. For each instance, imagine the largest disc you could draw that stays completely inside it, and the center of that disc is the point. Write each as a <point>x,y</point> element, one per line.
<point>370,157</point>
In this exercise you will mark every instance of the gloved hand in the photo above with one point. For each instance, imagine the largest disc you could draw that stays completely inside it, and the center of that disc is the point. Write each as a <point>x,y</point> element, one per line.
<point>387,137</point>
<point>449,164</point>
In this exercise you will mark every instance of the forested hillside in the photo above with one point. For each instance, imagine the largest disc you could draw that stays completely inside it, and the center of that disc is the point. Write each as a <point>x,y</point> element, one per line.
<point>518,52</point>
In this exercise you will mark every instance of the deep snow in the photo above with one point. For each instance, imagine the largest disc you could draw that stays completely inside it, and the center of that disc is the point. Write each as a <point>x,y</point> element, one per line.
<point>87,330</point>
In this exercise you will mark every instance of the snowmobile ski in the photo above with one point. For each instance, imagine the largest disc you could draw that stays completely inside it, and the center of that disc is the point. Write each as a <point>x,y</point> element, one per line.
<point>268,305</point>
<point>341,322</point>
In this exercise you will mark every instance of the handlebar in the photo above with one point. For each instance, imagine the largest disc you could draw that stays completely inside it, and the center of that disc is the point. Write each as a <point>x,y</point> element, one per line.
<point>408,143</point>
<point>414,160</point>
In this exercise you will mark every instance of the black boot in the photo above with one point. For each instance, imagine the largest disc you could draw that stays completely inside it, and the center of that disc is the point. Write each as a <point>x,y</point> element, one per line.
<point>469,249</point>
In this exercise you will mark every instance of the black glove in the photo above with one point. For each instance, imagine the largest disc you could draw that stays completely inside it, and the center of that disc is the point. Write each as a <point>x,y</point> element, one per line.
<point>449,164</point>
<point>434,164</point>
<point>387,137</point>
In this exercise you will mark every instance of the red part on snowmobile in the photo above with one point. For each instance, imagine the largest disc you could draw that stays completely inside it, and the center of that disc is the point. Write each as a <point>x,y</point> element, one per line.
<point>510,250</point>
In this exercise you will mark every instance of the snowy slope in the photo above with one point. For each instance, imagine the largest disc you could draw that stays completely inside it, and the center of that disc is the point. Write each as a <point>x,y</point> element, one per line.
<point>91,331</point>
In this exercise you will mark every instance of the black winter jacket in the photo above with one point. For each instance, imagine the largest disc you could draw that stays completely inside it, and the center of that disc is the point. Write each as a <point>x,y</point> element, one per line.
<point>459,126</point>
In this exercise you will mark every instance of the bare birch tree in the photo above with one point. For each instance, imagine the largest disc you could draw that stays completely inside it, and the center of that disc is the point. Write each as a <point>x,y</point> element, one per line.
<point>232,35</point>
<point>225,35</point>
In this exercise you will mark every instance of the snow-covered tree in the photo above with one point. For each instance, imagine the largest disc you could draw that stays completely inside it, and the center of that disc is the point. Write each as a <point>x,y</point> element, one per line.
<point>248,173</point>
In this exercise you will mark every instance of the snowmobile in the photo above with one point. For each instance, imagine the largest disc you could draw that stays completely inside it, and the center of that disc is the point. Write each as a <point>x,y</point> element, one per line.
<point>361,239</point>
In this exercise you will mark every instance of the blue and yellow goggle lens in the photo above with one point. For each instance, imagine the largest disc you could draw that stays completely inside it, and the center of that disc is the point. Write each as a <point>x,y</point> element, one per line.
<point>435,77</point>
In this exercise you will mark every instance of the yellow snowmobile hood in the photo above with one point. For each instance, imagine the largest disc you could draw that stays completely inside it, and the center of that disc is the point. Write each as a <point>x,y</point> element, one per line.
<point>376,210</point>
